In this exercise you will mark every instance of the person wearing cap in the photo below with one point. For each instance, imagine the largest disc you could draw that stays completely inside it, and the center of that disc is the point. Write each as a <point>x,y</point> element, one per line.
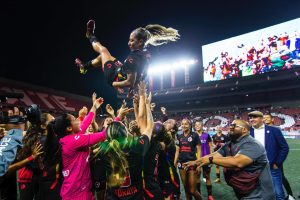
<point>244,163</point>
<point>276,147</point>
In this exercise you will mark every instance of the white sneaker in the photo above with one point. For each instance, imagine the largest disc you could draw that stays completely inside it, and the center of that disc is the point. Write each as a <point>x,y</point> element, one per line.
<point>291,197</point>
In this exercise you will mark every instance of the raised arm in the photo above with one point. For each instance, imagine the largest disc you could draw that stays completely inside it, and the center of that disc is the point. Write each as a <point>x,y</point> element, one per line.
<point>176,155</point>
<point>150,123</point>
<point>131,77</point>
<point>136,99</point>
<point>110,110</point>
<point>35,153</point>
<point>88,119</point>
<point>142,116</point>
<point>94,123</point>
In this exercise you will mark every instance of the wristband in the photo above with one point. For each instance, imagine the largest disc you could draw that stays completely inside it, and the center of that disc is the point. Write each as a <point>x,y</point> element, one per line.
<point>30,158</point>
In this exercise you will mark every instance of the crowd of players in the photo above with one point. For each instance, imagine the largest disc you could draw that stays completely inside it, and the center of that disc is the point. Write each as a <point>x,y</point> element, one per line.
<point>271,54</point>
<point>68,157</point>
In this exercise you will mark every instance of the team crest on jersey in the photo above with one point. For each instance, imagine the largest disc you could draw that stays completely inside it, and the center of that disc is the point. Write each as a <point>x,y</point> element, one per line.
<point>77,137</point>
<point>109,65</point>
<point>66,173</point>
<point>142,141</point>
<point>190,139</point>
<point>97,184</point>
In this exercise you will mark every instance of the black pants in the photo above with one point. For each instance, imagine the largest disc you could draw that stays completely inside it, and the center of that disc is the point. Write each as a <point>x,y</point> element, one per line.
<point>8,187</point>
<point>46,193</point>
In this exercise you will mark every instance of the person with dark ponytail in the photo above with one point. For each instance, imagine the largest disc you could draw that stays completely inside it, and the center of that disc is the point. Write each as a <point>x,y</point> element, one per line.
<point>68,144</point>
<point>31,176</point>
<point>152,188</point>
<point>168,176</point>
<point>136,64</point>
<point>122,155</point>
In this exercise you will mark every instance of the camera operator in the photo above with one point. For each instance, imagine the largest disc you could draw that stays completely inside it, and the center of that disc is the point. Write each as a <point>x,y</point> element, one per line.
<point>11,141</point>
<point>9,144</point>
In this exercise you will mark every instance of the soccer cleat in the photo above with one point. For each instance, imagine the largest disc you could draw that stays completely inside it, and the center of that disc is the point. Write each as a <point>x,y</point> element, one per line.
<point>79,64</point>
<point>210,197</point>
<point>217,180</point>
<point>90,28</point>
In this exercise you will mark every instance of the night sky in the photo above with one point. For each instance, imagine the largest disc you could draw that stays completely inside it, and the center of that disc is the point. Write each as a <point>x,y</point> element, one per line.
<point>41,39</point>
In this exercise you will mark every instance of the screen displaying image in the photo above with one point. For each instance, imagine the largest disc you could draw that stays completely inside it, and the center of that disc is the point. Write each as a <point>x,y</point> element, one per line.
<point>270,49</point>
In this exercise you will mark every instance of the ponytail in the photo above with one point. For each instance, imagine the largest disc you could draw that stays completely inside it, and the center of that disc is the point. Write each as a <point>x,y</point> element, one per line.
<point>56,130</point>
<point>155,34</point>
<point>118,162</point>
<point>160,35</point>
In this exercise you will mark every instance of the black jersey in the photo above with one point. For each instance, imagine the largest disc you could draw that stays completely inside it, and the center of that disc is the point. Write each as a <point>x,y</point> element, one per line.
<point>168,176</point>
<point>187,146</point>
<point>113,71</point>
<point>219,140</point>
<point>132,188</point>
<point>150,164</point>
<point>137,61</point>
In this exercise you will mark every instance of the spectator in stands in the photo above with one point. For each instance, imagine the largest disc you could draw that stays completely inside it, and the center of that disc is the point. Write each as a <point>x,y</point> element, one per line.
<point>269,120</point>
<point>276,147</point>
<point>244,162</point>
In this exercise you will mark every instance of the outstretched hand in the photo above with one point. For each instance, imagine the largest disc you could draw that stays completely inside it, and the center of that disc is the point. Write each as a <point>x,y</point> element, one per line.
<point>110,110</point>
<point>98,103</point>
<point>163,110</point>
<point>83,111</point>
<point>94,97</point>
<point>136,99</point>
<point>37,150</point>
<point>152,106</point>
<point>124,111</point>
<point>189,164</point>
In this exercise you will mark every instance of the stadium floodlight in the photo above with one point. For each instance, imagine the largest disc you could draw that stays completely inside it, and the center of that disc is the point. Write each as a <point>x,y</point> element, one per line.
<point>161,68</point>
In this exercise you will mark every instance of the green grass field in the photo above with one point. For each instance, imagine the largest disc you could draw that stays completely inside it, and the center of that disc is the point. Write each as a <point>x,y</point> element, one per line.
<point>223,192</point>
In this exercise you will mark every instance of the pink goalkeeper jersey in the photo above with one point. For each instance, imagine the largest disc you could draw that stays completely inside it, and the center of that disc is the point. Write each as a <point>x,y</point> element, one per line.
<point>77,182</point>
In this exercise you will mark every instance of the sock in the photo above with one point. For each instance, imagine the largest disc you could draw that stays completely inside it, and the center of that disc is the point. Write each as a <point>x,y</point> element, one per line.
<point>92,38</point>
<point>209,189</point>
<point>218,175</point>
<point>198,187</point>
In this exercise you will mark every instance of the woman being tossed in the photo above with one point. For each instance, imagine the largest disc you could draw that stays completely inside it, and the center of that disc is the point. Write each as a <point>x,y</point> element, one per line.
<point>135,66</point>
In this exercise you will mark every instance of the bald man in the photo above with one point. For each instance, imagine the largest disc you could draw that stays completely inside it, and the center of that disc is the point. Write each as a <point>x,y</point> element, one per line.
<point>245,163</point>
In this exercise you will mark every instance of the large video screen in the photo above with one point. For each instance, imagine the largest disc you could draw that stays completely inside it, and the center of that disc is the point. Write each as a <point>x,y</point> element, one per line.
<point>270,49</point>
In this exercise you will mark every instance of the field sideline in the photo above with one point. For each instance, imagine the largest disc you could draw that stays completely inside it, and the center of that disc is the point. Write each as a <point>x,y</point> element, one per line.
<point>223,192</point>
